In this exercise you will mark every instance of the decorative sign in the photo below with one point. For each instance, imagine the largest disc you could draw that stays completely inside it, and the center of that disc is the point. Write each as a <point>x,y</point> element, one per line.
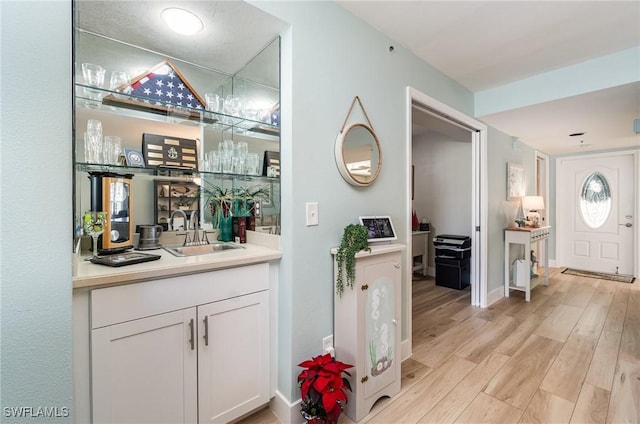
<point>174,152</point>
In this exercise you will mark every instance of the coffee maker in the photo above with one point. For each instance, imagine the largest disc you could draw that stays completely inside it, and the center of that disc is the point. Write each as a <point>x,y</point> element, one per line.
<point>112,193</point>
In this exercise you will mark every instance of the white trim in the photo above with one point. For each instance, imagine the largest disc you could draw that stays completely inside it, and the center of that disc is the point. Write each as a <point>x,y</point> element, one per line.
<point>545,189</point>
<point>407,344</point>
<point>287,412</point>
<point>480,201</point>
<point>636,220</point>
<point>405,348</point>
<point>495,295</point>
<point>544,193</point>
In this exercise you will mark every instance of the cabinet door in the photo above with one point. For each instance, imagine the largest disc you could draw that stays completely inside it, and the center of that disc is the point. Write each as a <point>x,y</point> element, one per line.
<point>233,357</point>
<point>144,371</point>
<point>381,324</point>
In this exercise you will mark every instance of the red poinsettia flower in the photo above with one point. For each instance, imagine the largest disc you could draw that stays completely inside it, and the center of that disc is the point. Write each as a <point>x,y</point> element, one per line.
<point>322,387</point>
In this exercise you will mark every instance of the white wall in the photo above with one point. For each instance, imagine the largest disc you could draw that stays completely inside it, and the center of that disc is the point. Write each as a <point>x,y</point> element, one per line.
<point>334,57</point>
<point>329,57</point>
<point>36,218</point>
<point>443,183</point>
<point>501,211</point>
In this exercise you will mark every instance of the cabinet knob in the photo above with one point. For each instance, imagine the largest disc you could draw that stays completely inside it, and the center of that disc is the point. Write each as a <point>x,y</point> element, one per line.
<point>364,287</point>
<point>396,264</point>
<point>364,379</point>
<point>394,321</point>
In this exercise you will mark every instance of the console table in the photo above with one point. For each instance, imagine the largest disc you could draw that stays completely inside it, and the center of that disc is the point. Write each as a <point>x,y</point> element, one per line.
<point>525,236</point>
<point>420,247</point>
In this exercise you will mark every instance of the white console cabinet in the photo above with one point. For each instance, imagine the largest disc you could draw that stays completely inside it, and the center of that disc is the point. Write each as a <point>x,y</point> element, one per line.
<point>420,248</point>
<point>367,327</point>
<point>525,236</point>
<point>181,350</point>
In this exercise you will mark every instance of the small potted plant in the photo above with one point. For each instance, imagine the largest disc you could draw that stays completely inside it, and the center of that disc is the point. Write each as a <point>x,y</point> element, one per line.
<point>323,389</point>
<point>354,239</point>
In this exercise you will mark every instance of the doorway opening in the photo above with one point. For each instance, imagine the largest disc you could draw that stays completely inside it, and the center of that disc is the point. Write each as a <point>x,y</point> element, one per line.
<point>471,136</point>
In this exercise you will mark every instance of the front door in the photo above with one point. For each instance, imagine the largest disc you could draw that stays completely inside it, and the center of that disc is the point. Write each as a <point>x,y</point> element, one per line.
<point>595,213</point>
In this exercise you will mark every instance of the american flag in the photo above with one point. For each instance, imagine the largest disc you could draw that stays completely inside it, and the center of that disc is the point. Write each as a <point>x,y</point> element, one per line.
<point>164,84</point>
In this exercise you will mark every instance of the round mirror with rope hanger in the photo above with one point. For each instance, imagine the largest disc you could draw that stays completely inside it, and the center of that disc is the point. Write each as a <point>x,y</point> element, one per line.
<point>357,150</point>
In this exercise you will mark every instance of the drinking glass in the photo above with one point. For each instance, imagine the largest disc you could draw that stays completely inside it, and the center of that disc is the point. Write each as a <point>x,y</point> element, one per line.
<point>112,149</point>
<point>93,225</point>
<point>226,161</point>
<point>93,74</point>
<point>120,82</point>
<point>216,163</point>
<point>94,126</point>
<point>232,105</point>
<point>226,146</point>
<point>93,147</point>
<point>213,102</point>
<point>253,163</point>
<point>93,77</point>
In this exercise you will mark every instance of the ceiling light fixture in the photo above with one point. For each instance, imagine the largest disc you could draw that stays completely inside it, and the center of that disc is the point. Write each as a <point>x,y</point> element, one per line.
<point>182,21</point>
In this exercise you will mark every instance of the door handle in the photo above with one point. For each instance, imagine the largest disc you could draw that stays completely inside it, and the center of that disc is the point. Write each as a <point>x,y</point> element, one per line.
<point>191,339</point>
<point>628,225</point>
<point>206,330</point>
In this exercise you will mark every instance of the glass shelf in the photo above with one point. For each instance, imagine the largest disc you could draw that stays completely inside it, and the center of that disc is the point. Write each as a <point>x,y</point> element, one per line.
<point>139,107</point>
<point>131,116</point>
<point>164,173</point>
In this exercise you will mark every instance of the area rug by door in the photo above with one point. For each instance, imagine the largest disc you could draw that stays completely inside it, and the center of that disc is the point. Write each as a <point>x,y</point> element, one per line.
<point>604,276</point>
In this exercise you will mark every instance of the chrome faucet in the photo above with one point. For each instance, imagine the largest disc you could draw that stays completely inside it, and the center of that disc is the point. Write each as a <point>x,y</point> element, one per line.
<point>185,225</point>
<point>184,216</point>
<point>193,221</point>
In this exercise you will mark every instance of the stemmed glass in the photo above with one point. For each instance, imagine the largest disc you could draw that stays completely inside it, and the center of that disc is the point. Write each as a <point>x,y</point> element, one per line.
<point>93,225</point>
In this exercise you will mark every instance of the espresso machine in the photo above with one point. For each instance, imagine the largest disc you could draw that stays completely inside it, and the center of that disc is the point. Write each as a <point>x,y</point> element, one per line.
<point>112,193</point>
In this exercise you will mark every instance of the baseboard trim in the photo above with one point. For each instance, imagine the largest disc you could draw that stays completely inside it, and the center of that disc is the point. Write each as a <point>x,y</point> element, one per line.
<point>405,349</point>
<point>495,295</point>
<point>286,412</point>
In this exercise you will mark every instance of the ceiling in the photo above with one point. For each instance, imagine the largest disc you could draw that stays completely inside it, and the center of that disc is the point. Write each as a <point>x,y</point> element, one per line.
<point>479,44</point>
<point>487,44</point>
<point>234,31</point>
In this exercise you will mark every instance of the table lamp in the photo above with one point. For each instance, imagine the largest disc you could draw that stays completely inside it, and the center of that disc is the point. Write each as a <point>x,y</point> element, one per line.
<point>533,204</point>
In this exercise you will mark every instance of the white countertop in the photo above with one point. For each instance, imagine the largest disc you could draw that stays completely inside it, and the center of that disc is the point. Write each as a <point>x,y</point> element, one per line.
<point>87,274</point>
<point>376,249</point>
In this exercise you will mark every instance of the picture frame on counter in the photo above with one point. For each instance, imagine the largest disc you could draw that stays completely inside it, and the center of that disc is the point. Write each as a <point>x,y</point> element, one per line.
<point>134,158</point>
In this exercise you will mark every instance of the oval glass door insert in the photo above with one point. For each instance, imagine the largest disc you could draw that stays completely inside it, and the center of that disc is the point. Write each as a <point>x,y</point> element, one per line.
<point>595,200</point>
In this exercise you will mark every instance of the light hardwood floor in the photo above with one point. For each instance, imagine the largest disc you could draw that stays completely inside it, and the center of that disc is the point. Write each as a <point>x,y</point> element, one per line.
<point>571,355</point>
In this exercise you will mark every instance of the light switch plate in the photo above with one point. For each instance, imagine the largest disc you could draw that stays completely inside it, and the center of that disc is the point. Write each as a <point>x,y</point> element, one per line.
<point>312,214</point>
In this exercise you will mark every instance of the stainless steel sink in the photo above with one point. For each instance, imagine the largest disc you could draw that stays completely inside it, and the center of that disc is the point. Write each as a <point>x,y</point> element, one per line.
<point>203,249</point>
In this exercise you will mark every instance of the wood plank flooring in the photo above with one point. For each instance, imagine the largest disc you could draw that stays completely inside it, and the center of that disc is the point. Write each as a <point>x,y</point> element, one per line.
<point>571,355</point>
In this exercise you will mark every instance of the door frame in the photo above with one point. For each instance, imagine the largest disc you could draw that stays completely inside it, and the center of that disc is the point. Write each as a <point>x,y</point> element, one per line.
<point>479,226</point>
<point>636,212</point>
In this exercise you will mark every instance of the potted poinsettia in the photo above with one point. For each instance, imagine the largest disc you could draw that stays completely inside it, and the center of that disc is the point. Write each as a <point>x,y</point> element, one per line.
<point>323,389</point>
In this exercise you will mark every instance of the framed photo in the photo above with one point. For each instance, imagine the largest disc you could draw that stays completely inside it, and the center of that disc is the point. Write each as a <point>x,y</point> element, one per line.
<point>134,158</point>
<point>271,164</point>
<point>515,181</point>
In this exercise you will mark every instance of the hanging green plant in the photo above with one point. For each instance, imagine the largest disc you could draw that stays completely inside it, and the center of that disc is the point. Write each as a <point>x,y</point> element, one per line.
<point>354,239</point>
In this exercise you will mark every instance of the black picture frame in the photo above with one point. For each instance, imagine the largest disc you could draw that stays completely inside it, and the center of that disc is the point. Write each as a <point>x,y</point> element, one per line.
<point>271,159</point>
